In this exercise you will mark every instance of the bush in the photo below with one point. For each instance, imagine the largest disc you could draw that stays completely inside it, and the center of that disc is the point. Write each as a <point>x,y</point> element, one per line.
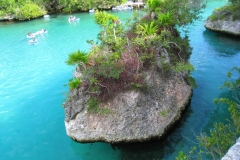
<point>165,19</point>
<point>74,83</point>
<point>2,13</point>
<point>119,62</point>
<point>225,12</point>
<point>28,11</point>
<point>222,136</point>
<point>92,107</point>
<point>77,57</point>
<point>235,2</point>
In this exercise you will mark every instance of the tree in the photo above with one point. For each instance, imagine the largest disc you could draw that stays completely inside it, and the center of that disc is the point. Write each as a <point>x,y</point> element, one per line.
<point>22,9</point>
<point>181,13</point>
<point>18,7</point>
<point>222,136</point>
<point>235,2</point>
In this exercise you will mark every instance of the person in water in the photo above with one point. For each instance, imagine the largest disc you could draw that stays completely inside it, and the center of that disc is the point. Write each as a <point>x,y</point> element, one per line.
<point>34,39</point>
<point>43,30</point>
<point>31,35</point>
<point>70,18</point>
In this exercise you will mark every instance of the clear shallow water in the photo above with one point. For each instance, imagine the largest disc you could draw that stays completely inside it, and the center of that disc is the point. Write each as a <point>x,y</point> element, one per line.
<point>32,90</point>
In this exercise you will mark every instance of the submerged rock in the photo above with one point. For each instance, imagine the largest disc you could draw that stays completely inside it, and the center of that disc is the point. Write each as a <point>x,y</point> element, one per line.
<point>135,115</point>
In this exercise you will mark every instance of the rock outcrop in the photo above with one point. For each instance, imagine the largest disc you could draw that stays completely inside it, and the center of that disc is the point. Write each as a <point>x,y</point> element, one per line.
<point>135,116</point>
<point>7,18</point>
<point>229,26</point>
<point>234,152</point>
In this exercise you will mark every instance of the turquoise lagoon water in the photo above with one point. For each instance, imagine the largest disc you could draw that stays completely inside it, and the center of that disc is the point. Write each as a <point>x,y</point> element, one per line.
<point>33,87</point>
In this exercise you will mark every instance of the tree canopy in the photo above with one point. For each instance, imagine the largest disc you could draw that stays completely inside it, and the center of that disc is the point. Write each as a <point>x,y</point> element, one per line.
<point>27,9</point>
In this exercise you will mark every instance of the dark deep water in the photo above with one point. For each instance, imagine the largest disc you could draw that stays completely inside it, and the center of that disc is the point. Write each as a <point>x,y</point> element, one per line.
<point>32,90</point>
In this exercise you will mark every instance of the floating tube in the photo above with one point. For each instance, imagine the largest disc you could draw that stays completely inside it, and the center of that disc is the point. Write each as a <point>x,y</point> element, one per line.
<point>37,33</point>
<point>43,32</point>
<point>32,41</point>
<point>75,19</point>
<point>31,36</point>
<point>46,16</point>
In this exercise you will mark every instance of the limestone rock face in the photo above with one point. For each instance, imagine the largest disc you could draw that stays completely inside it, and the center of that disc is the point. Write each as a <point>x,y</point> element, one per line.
<point>135,115</point>
<point>8,17</point>
<point>234,152</point>
<point>225,26</point>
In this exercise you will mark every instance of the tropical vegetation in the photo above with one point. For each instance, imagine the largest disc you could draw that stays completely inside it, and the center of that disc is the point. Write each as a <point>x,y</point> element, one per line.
<point>229,11</point>
<point>124,53</point>
<point>29,9</point>
<point>223,135</point>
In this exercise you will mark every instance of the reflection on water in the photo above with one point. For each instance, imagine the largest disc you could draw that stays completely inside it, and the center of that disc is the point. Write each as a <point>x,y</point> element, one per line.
<point>141,151</point>
<point>222,43</point>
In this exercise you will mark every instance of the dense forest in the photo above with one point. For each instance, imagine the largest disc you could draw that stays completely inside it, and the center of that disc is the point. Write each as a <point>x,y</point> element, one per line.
<point>28,9</point>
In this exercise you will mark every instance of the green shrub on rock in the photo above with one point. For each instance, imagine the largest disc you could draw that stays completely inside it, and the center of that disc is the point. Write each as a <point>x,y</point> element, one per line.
<point>123,56</point>
<point>28,11</point>
<point>74,83</point>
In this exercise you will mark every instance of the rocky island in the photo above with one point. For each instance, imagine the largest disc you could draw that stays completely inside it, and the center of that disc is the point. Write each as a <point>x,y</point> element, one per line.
<point>225,20</point>
<point>134,85</point>
<point>135,116</point>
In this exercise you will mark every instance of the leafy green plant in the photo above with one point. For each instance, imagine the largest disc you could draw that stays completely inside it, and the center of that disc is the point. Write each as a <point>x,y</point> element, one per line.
<point>165,19</point>
<point>181,66</point>
<point>137,85</point>
<point>164,112</point>
<point>235,2</point>
<point>74,83</point>
<point>226,12</point>
<point>1,13</point>
<point>223,135</point>
<point>191,81</point>
<point>108,70</point>
<point>93,107</point>
<point>103,18</point>
<point>147,29</point>
<point>122,55</point>
<point>77,57</point>
<point>28,11</point>
<point>153,4</point>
